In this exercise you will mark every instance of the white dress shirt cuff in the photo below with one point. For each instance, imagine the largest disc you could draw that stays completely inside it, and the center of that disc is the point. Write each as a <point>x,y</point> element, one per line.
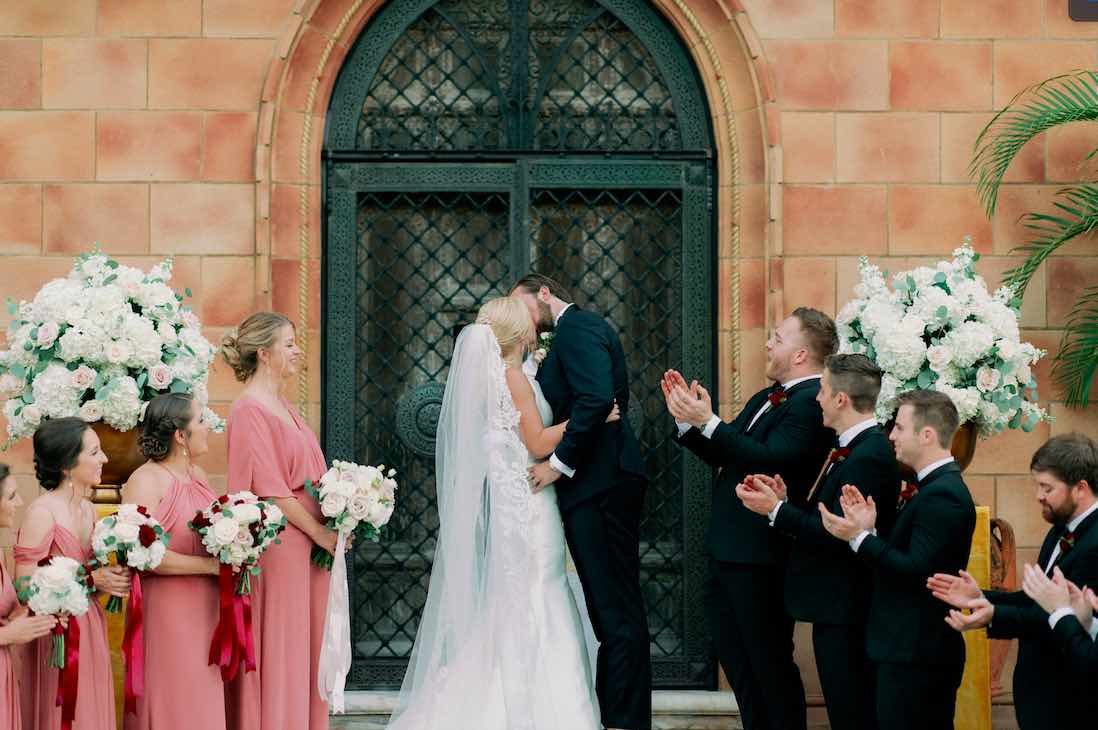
<point>711,426</point>
<point>1093,630</point>
<point>1055,616</point>
<point>856,541</point>
<point>561,466</point>
<point>683,427</point>
<point>773,514</point>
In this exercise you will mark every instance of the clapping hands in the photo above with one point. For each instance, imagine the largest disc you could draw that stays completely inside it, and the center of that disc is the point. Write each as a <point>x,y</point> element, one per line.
<point>1059,592</point>
<point>686,403</point>
<point>962,592</point>
<point>859,514</point>
<point>761,493</point>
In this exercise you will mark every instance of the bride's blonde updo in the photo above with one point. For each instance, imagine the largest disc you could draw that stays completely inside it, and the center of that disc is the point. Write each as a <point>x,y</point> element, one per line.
<point>510,323</point>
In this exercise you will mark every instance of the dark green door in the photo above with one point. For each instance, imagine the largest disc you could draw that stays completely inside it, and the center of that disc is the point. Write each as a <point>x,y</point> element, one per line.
<point>469,141</point>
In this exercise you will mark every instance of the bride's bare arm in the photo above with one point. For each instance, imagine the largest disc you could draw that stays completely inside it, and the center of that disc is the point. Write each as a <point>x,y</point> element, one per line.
<point>540,441</point>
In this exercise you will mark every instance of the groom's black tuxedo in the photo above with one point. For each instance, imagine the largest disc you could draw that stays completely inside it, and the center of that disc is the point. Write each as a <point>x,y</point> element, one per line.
<point>827,586</point>
<point>753,632</point>
<point>601,506</point>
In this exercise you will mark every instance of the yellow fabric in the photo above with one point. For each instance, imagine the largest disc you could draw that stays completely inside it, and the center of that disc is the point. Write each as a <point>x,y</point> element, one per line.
<point>974,697</point>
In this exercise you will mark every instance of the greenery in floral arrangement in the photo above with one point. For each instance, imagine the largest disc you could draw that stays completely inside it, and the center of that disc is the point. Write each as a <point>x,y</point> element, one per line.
<point>100,344</point>
<point>939,328</point>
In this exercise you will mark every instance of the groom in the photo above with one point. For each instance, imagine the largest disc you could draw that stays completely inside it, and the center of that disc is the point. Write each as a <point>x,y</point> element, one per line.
<point>601,491</point>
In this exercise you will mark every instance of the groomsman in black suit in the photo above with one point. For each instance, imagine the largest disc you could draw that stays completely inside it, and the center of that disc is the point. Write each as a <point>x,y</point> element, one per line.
<point>826,584</point>
<point>780,430</point>
<point>1046,693</point>
<point>919,659</point>
<point>1071,615</point>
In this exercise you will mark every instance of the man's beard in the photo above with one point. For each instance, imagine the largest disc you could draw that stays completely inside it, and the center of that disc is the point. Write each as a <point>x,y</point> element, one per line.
<point>1062,515</point>
<point>545,317</point>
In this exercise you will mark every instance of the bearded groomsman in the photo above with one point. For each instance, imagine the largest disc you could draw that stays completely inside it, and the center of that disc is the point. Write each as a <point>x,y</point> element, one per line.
<point>919,659</point>
<point>826,584</point>
<point>1047,694</point>
<point>779,430</point>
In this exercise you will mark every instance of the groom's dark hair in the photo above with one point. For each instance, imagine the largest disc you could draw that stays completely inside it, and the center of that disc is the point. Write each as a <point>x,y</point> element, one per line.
<point>532,283</point>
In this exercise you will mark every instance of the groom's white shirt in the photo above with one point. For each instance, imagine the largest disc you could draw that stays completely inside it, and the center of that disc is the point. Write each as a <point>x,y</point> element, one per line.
<point>553,460</point>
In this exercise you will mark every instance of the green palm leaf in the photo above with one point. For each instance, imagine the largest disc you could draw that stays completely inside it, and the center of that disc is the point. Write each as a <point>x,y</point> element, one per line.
<point>1062,99</point>
<point>1076,364</point>
<point>1077,216</point>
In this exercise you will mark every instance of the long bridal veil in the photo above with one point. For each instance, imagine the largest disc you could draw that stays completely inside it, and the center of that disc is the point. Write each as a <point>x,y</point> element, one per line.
<point>482,571</point>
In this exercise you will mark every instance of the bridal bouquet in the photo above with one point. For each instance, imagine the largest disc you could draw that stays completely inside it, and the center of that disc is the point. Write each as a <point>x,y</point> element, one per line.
<point>353,498</point>
<point>939,328</point>
<point>99,344</point>
<point>130,537</point>
<point>236,529</point>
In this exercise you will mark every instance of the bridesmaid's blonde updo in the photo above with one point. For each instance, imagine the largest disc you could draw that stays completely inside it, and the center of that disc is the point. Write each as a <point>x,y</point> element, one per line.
<point>241,348</point>
<point>510,323</point>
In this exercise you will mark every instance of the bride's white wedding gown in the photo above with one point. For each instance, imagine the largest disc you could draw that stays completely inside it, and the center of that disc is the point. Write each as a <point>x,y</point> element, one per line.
<point>525,664</point>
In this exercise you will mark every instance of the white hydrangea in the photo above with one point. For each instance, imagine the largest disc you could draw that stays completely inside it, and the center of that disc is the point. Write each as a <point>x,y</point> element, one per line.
<point>900,352</point>
<point>969,342</point>
<point>53,392</point>
<point>936,308</point>
<point>967,400</point>
<point>122,406</point>
<point>1002,319</point>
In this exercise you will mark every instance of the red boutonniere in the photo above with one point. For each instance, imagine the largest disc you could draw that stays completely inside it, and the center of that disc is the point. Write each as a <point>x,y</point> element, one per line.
<point>907,493</point>
<point>838,454</point>
<point>1067,542</point>
<point>777,397</point>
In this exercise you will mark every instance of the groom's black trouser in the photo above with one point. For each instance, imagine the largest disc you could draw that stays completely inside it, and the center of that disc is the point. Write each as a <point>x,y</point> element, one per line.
<point>603,536</point>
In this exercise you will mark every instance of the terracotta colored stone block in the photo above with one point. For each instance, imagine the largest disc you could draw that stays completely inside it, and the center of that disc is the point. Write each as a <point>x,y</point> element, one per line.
<point>752,293</point>
<point>808,147</point>
<point>192,73</point>
<point>20,220</point>
<point>286,221</point>
<point>939,75</point>
<point>25,275</point>
<point>1058,24</point>
<point>1019,64</point>
<point>284,289</point>
<point>1081,420</point>
<point>791,18</point>
<point>752,365</point>
<point>992,19</point>
<point>326,16</point>
<point>303,69</point>
<point>982,489</point>
<point>85,73</point>
<point>1033,304</point>
<point>830,75</point>
<point>46,145</point>
<point>203,218</point>
<point>1068,147</point>
<point>47,17</point>
<point>877,19</point>
<point>1008,452</point>
<point>150,17</point>
<point>926,219</point>
<point>835,219</point>
<point>286,153</point>
<point>891,147</point>
<point>261,18</point>
<point>223,385</point>
<point>1068,277</point>
<point>146,145</point>
<point>1010,229</point>
<point>21,81</point>
<point>959,134</point>
<point>228,154</point>
<point>114,216</point>
<point>753,220</point>
<point>810,282</point>
<point>228,293</point>
<point>1016,502</point>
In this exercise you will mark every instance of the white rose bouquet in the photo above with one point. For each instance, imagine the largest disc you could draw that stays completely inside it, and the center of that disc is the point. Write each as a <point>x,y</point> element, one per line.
<point>99,344</point>
<point>130,537</point>
<point>353,499</point>
<point>59,586</point>
<point>939,328</point>
<point>236,529</point>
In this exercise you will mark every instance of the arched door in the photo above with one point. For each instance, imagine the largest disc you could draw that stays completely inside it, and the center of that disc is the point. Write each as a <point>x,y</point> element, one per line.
<point>467,142</point>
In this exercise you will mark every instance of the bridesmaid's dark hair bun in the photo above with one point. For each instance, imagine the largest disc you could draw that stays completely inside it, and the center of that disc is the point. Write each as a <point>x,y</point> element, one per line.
<point>166,414</point>
<point>57,446</point>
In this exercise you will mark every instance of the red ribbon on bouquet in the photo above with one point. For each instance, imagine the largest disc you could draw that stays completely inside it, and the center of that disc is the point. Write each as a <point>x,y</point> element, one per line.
<point>133,646</point>
<point>68,683</point>
<point>232,643</point>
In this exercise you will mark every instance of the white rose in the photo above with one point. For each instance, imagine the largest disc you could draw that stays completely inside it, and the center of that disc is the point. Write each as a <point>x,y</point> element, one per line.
<point>160,376</point>
<point>156,554</point>
<point>126,533</point>
<point>91,411</point>
<point>243,536</point>
<point>167,333</point>
<point>83,377</point>
<point>380,512</point>
<point>333,504</point>
<point>138,557</point>
<point>359,507</point>
<point>117,352</point>
<point>1008,349</point>
<point>225,530</point>
<point>56,576</point>
<point>128,513</point>
<point>274,514</point>
<point>238,553</point>
<point>246,514</point>
<point>75,603</point>
<point>987,379</point>
<point>47,334</point>
<point>939,356</point>
<point>31,416</point>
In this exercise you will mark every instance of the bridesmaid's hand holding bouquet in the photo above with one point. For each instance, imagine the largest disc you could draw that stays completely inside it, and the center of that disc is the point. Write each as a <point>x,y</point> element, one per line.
<point>355,500</point>
<point>58,587</point>
<point>236,529</point>
<point>130,538</point>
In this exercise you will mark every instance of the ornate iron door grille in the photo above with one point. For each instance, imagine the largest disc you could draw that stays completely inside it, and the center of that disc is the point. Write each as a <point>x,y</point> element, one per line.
<point>440,191</point>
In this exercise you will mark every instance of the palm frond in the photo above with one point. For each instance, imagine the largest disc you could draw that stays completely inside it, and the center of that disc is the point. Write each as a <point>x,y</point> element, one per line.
<point>1062,99</point>
<point>1076,364</point>
<point>1078,206</point>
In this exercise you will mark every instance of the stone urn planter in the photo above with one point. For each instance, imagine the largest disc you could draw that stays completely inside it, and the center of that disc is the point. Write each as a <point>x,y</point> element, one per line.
<point>123,456</point>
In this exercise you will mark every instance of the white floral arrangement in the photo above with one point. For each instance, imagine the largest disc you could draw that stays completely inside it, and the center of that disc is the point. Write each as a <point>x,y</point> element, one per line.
<point>938,328</point>
<point>59,586</point>
<point>100,344</point>
<point>236,529</point>
<point>354,498</point>
<point>130,537</point>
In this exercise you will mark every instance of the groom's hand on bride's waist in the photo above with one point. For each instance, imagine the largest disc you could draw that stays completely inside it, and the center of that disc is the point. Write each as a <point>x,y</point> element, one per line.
<point>541,475</point>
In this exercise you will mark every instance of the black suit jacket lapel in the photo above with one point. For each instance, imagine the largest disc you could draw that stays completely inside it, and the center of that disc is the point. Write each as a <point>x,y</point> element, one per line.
<point>832,480</point>
<point>775,409</point>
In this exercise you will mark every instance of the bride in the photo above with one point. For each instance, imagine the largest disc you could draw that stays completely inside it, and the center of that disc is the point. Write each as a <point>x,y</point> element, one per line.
<point>501,644</point>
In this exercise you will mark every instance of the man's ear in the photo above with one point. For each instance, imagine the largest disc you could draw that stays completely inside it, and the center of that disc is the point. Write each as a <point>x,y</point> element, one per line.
<point>544,294</point>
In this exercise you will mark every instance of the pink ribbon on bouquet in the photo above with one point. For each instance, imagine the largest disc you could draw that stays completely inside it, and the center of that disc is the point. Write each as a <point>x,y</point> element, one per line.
<point>233,643</point>
<point>133,647</point>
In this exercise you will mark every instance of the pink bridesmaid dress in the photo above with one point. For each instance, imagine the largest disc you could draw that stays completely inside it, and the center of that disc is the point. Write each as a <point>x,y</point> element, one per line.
<point>182,690</point>
<point>95,694</point>
<point>273,458</point>
<point>9,689</point>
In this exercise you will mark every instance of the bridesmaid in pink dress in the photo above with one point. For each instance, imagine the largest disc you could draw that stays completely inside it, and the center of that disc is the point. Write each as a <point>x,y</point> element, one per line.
<point>180,598</point>
<point>68,463</point>
<point>17,627</point>
<point>272,451</point>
